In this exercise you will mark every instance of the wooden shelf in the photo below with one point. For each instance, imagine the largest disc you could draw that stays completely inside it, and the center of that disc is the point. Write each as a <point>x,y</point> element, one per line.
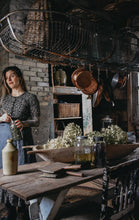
<point>70,118</point>
<point>66,90</point>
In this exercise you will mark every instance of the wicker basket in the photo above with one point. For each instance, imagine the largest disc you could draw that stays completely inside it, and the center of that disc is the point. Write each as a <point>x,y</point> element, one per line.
<point>68,110</point>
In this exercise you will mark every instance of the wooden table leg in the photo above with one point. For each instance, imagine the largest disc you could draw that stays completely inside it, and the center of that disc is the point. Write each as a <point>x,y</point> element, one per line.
<point>47,207</point>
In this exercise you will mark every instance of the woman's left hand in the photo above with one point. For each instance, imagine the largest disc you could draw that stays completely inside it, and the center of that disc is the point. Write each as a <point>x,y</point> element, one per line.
<point>19,124</point>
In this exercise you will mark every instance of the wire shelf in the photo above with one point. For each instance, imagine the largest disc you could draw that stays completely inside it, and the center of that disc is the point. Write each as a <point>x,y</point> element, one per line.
<point>57,38</point>
<point>51,37</point>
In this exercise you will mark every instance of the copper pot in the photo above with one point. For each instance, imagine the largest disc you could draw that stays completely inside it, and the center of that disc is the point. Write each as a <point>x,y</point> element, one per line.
<point>84,80</point>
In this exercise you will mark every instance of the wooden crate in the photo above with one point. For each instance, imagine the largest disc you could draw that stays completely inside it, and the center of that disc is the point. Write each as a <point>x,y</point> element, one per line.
<point>66,110</point>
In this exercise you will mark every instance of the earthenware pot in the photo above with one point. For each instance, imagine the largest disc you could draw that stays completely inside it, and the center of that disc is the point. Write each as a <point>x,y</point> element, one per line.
<point>9,158</point>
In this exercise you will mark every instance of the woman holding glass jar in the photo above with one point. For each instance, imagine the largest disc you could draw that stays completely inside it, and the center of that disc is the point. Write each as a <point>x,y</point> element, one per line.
<point>22,107</point>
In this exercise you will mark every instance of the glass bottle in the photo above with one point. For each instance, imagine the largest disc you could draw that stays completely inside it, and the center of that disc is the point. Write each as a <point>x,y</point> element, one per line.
<point>100,152</point>
<point>83,152</point>
<point>15,132</point>
<point>9,158</point>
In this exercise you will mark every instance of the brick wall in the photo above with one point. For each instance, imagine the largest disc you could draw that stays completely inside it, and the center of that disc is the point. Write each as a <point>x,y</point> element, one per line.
<point>37,80</point>
<point>35,74</point>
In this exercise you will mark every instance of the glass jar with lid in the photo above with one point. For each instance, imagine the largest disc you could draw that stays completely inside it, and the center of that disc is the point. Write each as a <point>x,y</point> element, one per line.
<point>106,121</point>
<point>83,152</point>
<point>100,151</point>
<point>15,132</point>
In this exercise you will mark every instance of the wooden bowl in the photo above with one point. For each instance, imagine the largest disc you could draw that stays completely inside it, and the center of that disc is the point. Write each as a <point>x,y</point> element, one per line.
<point>113,152</point>
<point>117,151</point>
<point>56,155</point>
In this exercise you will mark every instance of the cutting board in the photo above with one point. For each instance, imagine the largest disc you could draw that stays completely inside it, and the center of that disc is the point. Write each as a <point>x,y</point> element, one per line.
<point>59,169</point>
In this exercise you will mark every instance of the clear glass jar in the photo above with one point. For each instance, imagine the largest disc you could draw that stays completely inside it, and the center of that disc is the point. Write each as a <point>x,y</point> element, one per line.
<point>107,121</point>
<point>83,152</point>
<point>99,149</point>
<point>15,132</point>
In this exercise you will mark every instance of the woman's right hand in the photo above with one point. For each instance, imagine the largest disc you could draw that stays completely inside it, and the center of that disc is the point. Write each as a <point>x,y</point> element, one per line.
<point>5,118</point>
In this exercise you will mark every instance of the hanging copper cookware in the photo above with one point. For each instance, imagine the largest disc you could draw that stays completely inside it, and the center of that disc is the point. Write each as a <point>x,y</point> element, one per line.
<point>83,79</point>
<point>97,96</point>
<point>74,75</point>
<point>118,81</point>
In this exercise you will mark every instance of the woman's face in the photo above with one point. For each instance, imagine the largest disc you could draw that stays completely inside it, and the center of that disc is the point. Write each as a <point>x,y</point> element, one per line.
<point>12,80</point>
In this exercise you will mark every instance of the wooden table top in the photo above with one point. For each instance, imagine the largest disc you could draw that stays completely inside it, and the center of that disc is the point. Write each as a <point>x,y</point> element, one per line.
<point>29,184</point>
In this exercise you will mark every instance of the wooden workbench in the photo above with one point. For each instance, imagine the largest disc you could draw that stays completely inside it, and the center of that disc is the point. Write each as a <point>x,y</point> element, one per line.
<point>29,185</point>
<point>41,192</point>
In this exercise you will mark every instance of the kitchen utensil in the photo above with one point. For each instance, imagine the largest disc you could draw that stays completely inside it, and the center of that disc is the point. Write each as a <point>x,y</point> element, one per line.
<point>118,81</point>
<point>58,169</point>
<point>91,89</point>
<point>63,154</point>
<point>66,155</point>
<point>73,76</point>
<point>83,79</point>
<point>97,96</point>
<point>106,96</point>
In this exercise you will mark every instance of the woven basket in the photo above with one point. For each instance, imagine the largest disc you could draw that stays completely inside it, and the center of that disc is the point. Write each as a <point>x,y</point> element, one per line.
<point>68,110</point>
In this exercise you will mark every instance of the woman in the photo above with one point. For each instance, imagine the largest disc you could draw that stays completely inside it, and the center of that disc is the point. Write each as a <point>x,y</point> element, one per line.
<point>20,106</point>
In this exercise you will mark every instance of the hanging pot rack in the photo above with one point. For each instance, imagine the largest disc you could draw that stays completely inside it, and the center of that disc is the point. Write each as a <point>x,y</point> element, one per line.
<point>55,38</point>
<point>49,36</point>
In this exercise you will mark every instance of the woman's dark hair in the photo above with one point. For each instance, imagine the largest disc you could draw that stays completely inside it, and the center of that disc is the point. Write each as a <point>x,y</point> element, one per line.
<point>4,87</point>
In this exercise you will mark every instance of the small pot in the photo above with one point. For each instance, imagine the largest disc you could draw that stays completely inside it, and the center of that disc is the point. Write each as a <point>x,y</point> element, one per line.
<point>118,81</point>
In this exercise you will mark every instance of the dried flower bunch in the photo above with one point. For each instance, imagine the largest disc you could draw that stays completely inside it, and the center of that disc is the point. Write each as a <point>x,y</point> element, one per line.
<point>71,131</point>
<point>112,135</point>
<point>115,135</point>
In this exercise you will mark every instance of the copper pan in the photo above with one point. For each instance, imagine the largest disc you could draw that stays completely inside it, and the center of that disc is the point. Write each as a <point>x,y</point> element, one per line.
<point>81,78</point>
<point>106,96</point>
<point>92,88</point>
<point>73,76</point>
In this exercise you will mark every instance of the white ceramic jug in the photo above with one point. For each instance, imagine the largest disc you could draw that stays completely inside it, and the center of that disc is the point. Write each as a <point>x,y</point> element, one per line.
<point>10,158</point>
